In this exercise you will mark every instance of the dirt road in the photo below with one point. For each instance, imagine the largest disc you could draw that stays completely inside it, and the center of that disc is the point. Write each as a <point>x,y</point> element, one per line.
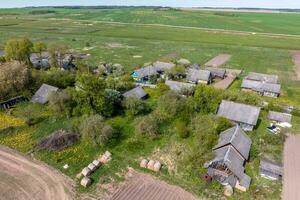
<point>291,167</point>
<point>21,178</point>
<point>140,186</point>
<point>296,59</point>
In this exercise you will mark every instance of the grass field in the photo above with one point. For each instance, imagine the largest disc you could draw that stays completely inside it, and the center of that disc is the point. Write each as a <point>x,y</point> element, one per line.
<point>122,43</point>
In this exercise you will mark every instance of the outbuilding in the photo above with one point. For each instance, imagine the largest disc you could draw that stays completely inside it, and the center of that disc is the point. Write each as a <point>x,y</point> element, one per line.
<point>270,170</point>
<point>199,76</point>
<point>42,95</point>
<point>279,117</point>
<point>246,116</point>
<point>137,92</point>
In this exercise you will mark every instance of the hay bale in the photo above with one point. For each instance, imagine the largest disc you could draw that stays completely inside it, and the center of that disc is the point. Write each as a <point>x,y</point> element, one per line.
<point>86,171</point>
<point>97,163</point>
<point>92,167</point>
<point>105,157</point>
<point>228,190</point>
<point>150,164</point>
<point>144,163</point>
<point>58,140</point>
<point>157,167</point>
<point>86,181</point>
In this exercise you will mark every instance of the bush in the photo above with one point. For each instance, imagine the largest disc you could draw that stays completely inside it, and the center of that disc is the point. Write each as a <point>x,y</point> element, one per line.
<point>149,126</point>
<point>61,103</point>
<point>94,129</point>
<point>182,129</point>
<point>135,106</point>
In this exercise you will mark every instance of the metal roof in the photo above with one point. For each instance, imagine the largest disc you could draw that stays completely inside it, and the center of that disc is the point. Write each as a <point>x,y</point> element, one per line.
<point>219,72</point>
<point>146,71</point>
<point>271,166</point>
<point>236,137</point>
<point>239,112</point>
<point>178,86</point>
<point>280,117</point>
<point>162,66</point>
<point>195,75</point>
<point>41,96</point>
<point>267,78</point>
<point>137,92</point>
<point>261,86</point>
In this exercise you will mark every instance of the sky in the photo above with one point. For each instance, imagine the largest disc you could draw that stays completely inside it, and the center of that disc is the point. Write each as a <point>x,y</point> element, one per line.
<point>173,3</point>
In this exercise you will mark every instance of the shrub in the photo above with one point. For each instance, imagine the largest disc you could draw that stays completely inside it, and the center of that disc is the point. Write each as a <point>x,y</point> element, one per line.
<point>149,126</point>
<point>94,129</point>
<point>182,129</point>
<point>61,103</point>
<point>135,106</point>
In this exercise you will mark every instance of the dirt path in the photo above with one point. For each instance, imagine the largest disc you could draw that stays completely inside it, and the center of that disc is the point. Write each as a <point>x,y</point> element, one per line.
<point>296,60</point>
<point>231,75</point>
<point>291,167</point>
<point>218,61</point>
<point>140,186</point>
<point>26,179</point>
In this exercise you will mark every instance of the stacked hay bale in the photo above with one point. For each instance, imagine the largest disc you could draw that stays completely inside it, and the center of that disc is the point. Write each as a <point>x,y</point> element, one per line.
<point>86,171</point>
<point>86,181</point>
<point>144,163</point>
<point>151,164</point>
<point>157,166</point>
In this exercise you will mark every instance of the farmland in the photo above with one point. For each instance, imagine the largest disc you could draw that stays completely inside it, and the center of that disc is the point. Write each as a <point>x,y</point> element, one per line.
<point>133,37</point>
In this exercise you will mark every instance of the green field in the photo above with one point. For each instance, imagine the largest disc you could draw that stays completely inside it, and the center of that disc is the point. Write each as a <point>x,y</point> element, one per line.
<point>122,43</point>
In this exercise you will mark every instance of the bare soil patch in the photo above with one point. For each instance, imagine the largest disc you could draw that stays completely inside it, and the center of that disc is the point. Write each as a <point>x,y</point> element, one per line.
<point>25,179</point>
<point>218,61</point>
<point>141,186</point>
<point>291,168</point>
<point>296,60</point>
<point>231,75</point>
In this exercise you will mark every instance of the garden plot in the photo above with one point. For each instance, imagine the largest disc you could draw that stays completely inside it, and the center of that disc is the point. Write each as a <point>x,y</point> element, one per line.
<point>218,61</point>
<point>296,59</point>
<point>141,186</point>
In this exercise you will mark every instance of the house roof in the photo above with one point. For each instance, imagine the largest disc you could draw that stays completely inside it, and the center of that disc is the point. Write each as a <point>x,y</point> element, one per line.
<point>162,66</point>
<point>261,86</point>
<point>233,160</point>
<point>239,112</point>
<point>219,72</point>
<point>195,75</point>
<point>280,117</point>
<point>145,71</point>
<point>236,137</point>
<point>271,166</point>
<point>41,96</point>
<point>137,92</point>
<point>178,86</point>
<point>267,78</point>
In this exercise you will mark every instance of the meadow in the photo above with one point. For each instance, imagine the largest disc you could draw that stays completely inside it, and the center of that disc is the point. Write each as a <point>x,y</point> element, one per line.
<point>92,31</point>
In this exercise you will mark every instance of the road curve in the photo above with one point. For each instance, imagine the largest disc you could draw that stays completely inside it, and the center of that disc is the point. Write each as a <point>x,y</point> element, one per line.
<point>22,178</point>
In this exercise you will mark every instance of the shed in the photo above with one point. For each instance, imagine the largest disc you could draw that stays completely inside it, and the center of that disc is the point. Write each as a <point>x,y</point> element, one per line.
<point>137,92</point>
<point>237,138</point>
<point>144,73</point>
<point>216,72</point>
<point>11,102</point>
<point>162,66</point>
<point>263,88</point>
<point>279,117</point>
<point>198,76</point>
<point>270,170</point>
<point>178,86</point>
<point>244,115</point>
<point>267,78</point>
<point>41,96</point>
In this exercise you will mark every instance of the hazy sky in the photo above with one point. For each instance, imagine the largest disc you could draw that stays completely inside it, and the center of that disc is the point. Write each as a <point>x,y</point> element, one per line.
<point>175,3</point>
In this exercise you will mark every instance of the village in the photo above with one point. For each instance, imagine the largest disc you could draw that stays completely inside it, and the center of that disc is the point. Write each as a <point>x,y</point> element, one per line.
<point>134,103</point>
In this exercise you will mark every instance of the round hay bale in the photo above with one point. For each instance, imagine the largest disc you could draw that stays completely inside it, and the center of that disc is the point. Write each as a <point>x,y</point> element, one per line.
<point>144,163</point>
<point>105,157</point>
<point>86,181</point>
<point>228,190</point>
<point>86,171</point>
<point>150,164</point>
<point>157,166</point>
<point>92,167</point>
<point>97,163</point>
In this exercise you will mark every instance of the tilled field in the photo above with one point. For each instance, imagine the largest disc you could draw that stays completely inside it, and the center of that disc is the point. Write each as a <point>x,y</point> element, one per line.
<point>140,186</point>
<point>218,61</point>
<point>25,179</point>
<point>291,166</point>
<point>296,59</point>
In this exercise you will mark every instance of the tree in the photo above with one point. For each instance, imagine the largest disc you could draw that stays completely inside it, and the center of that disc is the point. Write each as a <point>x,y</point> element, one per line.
<point>39,47</point>
<point>135,106</point>
<point>149,126</point>
<point>19,50</point>
<point>176,72</point>
<point>61,103</point>
<point>93,128</point>
<point>14,76</point>
<point>57,53</point>
<point>112,102</point>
